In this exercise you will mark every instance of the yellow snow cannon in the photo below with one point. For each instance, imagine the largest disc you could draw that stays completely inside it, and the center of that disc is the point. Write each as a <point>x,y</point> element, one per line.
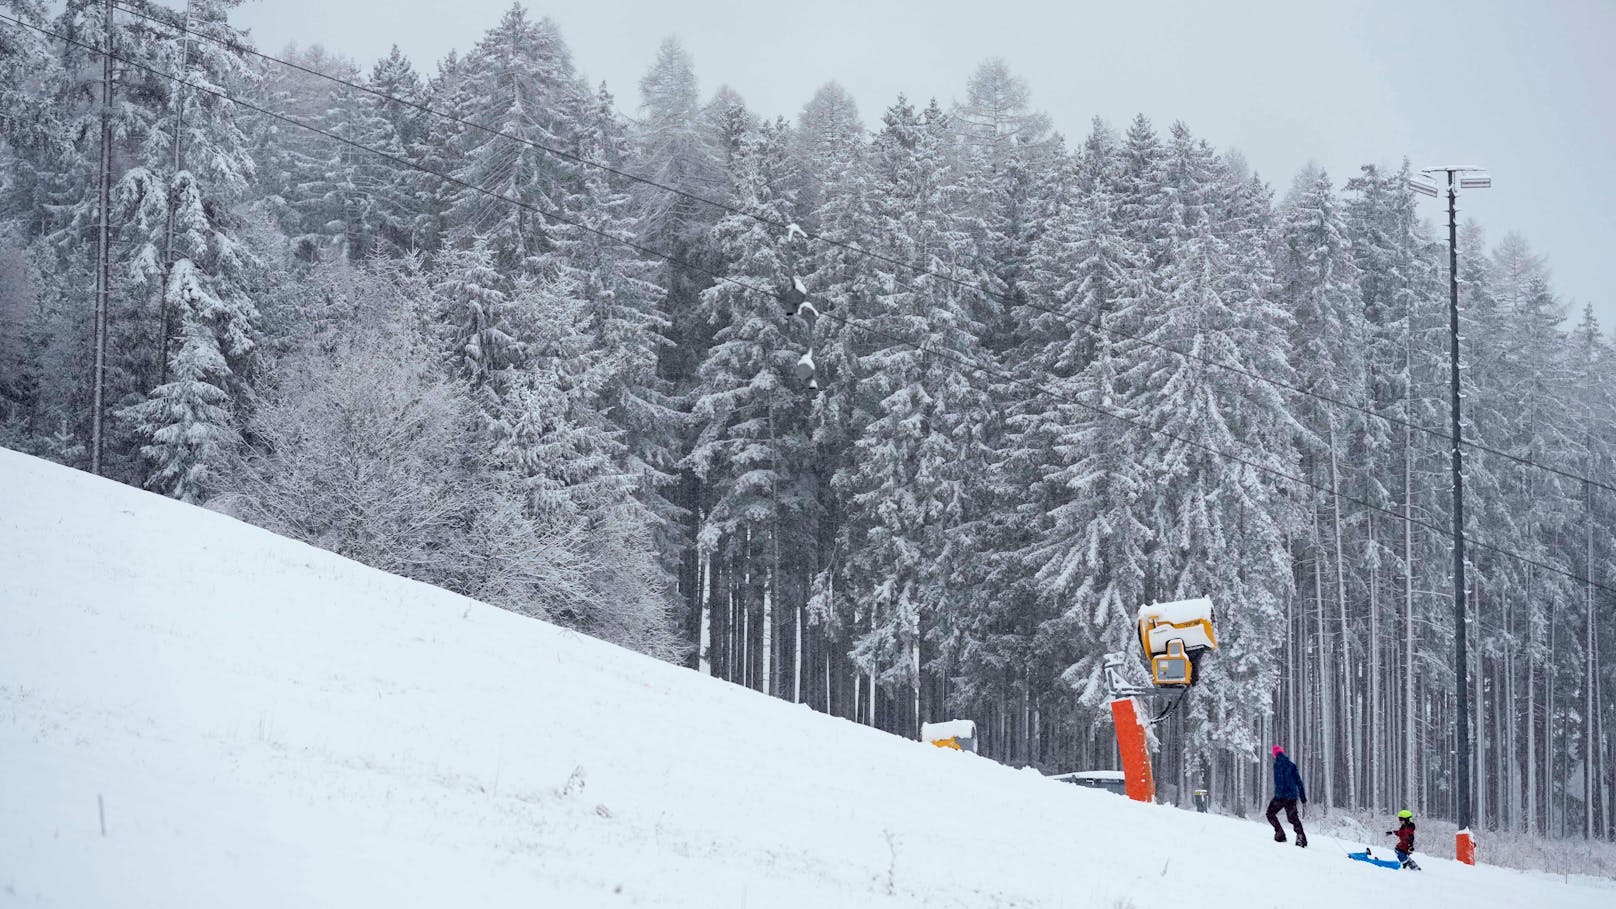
<point>959,735</point>
<point>1174,637</point>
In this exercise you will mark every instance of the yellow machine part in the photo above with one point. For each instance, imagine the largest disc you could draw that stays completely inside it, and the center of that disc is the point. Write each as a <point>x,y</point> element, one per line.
<point>948,743</point>
<point>1150,623</point>
<point>1171,670</point>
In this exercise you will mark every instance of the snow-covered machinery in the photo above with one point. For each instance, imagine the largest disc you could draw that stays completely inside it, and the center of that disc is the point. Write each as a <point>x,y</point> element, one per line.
<point>1173,637</point>
<point>959,735</point>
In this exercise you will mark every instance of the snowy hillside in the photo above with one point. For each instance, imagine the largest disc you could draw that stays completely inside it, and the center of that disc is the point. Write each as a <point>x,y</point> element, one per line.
<point>267,724</point>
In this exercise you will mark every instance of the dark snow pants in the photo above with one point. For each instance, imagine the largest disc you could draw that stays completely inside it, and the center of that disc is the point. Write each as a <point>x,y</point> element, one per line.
<point>1290,815</point>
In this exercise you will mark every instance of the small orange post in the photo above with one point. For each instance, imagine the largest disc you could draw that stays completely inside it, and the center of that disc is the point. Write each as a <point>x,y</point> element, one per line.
<point>1137,780</point>
<point>1464,847</point>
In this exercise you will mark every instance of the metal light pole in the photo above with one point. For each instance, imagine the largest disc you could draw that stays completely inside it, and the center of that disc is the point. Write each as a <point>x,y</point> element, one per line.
<point>1465,177</point>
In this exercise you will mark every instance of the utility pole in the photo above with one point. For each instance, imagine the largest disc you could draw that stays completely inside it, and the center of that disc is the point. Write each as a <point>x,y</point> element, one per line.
<point>1462,703</point>
<point>1469,178</point>
<point>102,266</point>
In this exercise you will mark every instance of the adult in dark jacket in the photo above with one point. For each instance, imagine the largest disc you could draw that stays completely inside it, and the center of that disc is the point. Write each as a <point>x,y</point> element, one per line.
<point>1288,789</point>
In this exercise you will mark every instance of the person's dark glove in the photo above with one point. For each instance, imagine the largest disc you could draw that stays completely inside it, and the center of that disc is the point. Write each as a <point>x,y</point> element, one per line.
<point>1391,833</point>
<point>1304,800</point>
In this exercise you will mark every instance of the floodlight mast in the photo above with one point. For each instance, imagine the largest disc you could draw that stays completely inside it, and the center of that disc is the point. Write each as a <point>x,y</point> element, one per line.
<point>1467,177</point>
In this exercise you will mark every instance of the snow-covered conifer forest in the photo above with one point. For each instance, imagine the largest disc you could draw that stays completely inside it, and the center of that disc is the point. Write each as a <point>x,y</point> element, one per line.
<point>483,324</point>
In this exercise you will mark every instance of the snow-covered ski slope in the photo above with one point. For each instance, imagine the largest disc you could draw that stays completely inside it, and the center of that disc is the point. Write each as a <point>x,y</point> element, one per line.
<point>269,725</point>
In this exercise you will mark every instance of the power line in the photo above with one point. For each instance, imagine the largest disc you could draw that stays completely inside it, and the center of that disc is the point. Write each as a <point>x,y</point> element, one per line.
<point>919,270</point>
<point>946,355</point>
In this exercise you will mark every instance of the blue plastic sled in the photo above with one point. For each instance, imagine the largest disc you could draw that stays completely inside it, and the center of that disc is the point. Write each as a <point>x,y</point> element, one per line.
<point>1365,856</point>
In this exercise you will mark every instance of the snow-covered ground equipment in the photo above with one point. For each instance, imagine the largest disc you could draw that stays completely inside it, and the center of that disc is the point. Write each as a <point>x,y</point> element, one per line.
<point>1108,780</point>
<point>959,735</point>
<point>1174,637</point>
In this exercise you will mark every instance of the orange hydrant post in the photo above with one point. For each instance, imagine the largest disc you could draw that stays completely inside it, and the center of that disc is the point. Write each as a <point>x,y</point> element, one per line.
<point>1464,847</point>
<point>1137,779</point>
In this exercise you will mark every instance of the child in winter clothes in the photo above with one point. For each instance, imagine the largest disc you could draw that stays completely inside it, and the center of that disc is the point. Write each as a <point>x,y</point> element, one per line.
<point>1405,839</point>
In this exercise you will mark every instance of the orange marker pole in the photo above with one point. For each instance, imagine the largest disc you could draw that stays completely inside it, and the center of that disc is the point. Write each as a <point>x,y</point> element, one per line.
<point>1137,779</point>
<point>1464,847</point>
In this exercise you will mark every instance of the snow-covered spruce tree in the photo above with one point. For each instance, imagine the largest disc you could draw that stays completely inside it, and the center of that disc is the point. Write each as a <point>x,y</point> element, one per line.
<point>24,332</point>
<point>1519,398</point>
<point>1087,556</point>
<point>835,165</point>
<point>1007,154</point>
<point>1010,680</point>
<point>828,134</point>
<point>351,201</point>
<point>399,87</point>
<point>621,310</point>
<point>919,425</point>
<point>1397,283</point>
<point>550,436</point>
<point>436,151</point>
<point>33,146</point>
<point>181,281</point>
<point>187,421</point>
<point>1317,282</point>
<point>1493,580</point>
<point>33,139</point>
<point>674,148</point>
<point>479,321</point>
<point>1218,526</point>
<point>294,165</point>
<point>521,84</point>
<point>752,448</point>
<point>1589,550</point>
<point>70,215</point>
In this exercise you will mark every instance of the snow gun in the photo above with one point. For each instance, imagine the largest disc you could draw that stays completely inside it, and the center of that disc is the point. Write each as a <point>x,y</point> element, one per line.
<point>1173,638</point>
<point>959,735</point>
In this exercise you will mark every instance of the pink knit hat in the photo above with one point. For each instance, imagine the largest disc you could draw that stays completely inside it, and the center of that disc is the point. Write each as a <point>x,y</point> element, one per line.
<point>1278,750</point>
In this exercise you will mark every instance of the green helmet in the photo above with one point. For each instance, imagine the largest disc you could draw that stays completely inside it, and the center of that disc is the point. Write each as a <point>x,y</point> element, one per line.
<point>1405,813</point>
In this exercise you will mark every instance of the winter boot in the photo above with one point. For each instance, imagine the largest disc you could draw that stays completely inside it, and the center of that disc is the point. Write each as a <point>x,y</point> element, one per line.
<point>1279,837</point>
<point>1301,840</point>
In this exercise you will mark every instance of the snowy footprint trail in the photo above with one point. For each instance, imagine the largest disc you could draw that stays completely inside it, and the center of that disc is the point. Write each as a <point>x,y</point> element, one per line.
<point>259,723</point>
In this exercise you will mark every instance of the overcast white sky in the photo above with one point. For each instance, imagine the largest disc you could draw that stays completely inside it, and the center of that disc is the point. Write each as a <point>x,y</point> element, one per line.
<point>1527,89</point>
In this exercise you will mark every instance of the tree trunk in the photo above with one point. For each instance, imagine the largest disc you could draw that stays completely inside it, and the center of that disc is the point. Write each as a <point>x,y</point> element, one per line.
<point>1346,646</point>
<point>766,635</point>
<point>1326,674</point>
<point>1478,714</point>
<point>1531,818</point>
<point>704,590</point>
<point>165,328</point>
<point>1375,724</point>
<point>1412,783</point>
<point>1550,752</point>
<point>1589,678</point>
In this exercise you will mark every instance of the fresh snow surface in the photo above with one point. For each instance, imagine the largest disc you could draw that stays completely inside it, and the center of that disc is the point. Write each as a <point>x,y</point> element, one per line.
<point>1179,610</point>
<point>270,725</point>
<point>1178,613</point>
